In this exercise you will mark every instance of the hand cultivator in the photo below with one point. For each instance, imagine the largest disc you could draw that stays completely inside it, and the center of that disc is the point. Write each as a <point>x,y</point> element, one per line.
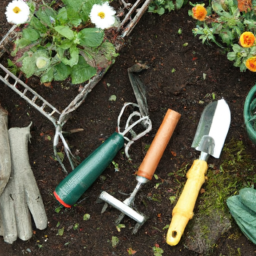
<point>129,15</point>
<point>145,171</point>
<point>84,175</point>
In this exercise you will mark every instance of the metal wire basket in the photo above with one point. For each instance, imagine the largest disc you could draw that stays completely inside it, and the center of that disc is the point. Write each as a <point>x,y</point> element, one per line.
<point>129,15</point>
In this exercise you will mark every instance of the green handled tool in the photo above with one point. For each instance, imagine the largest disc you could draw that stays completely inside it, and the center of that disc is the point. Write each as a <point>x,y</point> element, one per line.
<point>78,181</point>
<point>83,176</point>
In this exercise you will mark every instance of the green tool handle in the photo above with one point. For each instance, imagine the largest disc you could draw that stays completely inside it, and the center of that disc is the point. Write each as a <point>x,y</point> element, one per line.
<point>83,176</point>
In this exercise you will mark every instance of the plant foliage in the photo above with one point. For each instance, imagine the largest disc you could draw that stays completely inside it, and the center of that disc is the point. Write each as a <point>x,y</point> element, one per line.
<point>224,24</point>
<point>57,44</point>
<point>161,6</point>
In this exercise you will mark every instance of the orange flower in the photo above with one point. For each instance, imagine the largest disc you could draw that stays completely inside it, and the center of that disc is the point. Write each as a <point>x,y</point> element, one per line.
<point>199,12</point>
<point>244,5</point>
<point>251,64</point>
<point>247,39</point>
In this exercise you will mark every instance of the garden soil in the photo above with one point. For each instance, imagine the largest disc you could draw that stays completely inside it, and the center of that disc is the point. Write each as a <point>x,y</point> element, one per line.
<point>183,75</point>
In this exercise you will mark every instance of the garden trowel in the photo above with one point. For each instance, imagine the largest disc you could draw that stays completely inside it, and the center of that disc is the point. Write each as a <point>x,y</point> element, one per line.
<point>209,139</point>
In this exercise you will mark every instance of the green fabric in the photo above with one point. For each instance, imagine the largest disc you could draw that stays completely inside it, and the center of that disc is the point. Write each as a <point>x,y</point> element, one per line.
<point>243,209</point>
<point>249,109</point>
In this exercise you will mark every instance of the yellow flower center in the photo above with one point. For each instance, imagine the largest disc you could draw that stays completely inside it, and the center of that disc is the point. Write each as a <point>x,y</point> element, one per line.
<point>16,9</point>
<point>101,15</point>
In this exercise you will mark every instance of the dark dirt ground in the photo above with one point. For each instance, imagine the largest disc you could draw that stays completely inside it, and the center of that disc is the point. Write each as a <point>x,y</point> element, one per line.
<point>155,41</point>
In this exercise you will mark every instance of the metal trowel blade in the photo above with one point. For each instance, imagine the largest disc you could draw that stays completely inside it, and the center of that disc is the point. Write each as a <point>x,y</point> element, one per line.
<point>212,128</point>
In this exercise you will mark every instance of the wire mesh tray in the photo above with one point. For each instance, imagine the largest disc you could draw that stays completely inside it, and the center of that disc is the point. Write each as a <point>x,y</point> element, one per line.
<point>129,15</point>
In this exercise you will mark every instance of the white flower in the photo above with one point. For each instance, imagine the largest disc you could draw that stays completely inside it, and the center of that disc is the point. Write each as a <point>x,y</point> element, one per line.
<point>17,12</point>
<point>102,15</point>
<point>42,62</point>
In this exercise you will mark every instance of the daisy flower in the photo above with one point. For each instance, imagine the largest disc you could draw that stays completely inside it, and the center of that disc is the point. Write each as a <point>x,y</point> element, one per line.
<point>102,15</point>
<point>17,12</point>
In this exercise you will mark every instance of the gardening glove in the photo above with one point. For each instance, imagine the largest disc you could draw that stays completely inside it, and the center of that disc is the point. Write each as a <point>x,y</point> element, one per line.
<point>5,154</point>
<point>21,193</point>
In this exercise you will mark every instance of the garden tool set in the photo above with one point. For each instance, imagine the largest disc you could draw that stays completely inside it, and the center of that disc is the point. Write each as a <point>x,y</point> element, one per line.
<point>209,139</point>
<point>145,171</point>
<point>84,175</point>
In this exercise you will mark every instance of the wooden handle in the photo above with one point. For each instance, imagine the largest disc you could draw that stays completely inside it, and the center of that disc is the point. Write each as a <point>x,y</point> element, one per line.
<point>158,145</point>
<point>183,211</point>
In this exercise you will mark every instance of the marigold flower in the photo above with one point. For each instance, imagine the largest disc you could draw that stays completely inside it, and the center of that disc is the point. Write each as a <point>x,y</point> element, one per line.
<point>251,64</point>
<point>199,12</point>
<point>247,39</point>
<point>102,15</point>
<point>17,12</point>
<point>244,5</point>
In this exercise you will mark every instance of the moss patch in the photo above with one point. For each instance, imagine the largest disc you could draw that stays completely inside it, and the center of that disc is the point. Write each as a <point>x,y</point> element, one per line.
<point>212,217</point>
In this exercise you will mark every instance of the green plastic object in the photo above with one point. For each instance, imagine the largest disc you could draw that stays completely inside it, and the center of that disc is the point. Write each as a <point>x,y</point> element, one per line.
<point>83,176</point>
<point>249,109</point>
<point>243,209</point>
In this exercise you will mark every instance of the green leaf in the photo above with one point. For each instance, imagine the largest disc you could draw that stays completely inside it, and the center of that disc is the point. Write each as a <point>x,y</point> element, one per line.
<point>87,216</point>
<point>61,72</point>
<point>35,23</point>
<point>172,199</point>
<point>227,36</point>
<point>151,8</point>
<point>170,6</point>
<point>237,48</point>
<point>253,50</point>
<point>179,4</point>
<point>74,57</point>
<point>23,42</point>
<point>114,241</point>
<point>45,14</point>
<point>119,226</point>
<point>231,56</point>
<point>61,231</point>
<point>58,209</point>
<point>157,185</point>
<point>216,6</point>
<point>112,98</point>
<point>166,227</point>
<point>91,37</point>
<point>76,226</point>
<point>66,44</point>
<point>28,66</point>
<point>65,31</point>
<point>76,5</point>
<point>158,251</point>
<point>12,67</point>
<point>238,62</point>
<point>47,76</point>
<point>160,11</point>
<point>73,17</point>
<point>82,71</point>
<point>62,16</point>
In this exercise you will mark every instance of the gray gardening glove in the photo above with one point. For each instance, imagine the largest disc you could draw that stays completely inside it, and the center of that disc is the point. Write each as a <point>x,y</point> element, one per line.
<point>5,154</point>
<point>21,194</point>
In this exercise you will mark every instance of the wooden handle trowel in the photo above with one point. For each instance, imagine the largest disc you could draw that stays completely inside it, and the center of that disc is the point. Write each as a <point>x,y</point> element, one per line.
<point>209,139</point>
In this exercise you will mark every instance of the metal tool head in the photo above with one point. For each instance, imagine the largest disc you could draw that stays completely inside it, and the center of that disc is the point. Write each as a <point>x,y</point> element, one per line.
<point>138,87</point>
<point>212,128</point>
<point>125,209</point>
